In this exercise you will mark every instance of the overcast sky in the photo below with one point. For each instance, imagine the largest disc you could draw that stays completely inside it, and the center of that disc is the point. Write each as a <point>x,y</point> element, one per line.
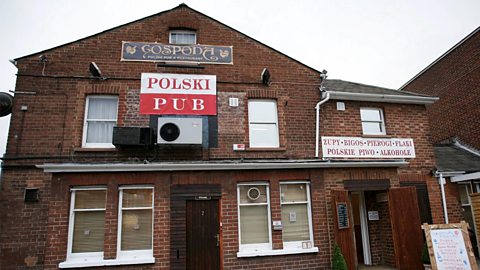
<point>377,42</point>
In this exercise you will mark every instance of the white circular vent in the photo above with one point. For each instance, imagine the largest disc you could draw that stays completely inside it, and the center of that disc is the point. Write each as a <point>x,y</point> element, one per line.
<point>253,193</point>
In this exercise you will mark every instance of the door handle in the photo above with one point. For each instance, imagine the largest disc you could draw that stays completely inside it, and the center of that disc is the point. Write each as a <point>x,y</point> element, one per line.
<point>217,236</point>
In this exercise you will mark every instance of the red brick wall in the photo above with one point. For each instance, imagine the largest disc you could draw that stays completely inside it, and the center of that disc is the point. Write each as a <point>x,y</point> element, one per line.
<point>455,80</point>
<point>51,131</point>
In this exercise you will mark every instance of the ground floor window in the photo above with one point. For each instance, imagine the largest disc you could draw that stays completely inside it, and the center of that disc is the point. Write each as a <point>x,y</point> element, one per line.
<point>86,226</point>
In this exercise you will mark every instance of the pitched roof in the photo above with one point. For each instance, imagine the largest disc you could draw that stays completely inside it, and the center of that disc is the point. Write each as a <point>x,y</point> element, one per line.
<point>343,90</point>
<point>162,12</point>
<point>454,157</point>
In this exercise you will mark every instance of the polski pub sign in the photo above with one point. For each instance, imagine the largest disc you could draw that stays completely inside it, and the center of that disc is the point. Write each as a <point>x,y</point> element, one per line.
<point>178,94</point>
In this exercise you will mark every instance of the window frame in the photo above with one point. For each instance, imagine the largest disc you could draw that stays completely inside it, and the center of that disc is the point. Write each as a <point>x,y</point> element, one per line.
<point>178,31</point>
<point>85,144</point>
<point>133,254</point>
<point>251,123</point>
<point>83,256</point>
<point>297,245</point>
<point>381,122</point>
<point>248,248</point>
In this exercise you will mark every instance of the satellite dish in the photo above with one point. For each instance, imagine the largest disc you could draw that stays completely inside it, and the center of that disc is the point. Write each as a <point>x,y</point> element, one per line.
<point>265,76</point>
<point>6,104</point>
<point>95,70</point>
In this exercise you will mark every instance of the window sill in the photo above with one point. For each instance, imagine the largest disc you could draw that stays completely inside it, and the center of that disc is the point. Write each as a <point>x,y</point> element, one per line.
<point>77,263</point>
<point>82,149</point>
<point>376,136</point>
<point>265,149</point>
<point>275,252</point>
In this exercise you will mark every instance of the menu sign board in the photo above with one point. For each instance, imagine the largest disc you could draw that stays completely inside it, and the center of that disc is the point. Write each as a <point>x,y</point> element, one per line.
<point>357,147</point>
<point>449,249</point>
<point>157,52</point>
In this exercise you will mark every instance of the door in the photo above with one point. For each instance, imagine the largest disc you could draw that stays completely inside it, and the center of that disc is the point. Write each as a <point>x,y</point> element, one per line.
<point>406,228</point>
<point>343,226</point>
<point>203,235</point>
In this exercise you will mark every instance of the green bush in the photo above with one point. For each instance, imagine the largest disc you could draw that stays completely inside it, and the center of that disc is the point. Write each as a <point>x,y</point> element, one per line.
<point>338,261</point>
<point>425,255</point>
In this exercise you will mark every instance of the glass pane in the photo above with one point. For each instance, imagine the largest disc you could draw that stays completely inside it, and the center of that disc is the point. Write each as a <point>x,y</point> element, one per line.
<point>136,229</point>
<point>295,222</point>
<point>372,128</point>
<point>137,198</point>
<point>183,38</point>
<point>262,111</point>
<point>293,193</point>
<point>254,224</point>
<point>254,191</point>
<point>263,135</point>
<point>88,231</point>
<point>102,108</point>
<point>462,191</point>
<point>100,132</point>
<point>90,199</point>
<point>370,115</point>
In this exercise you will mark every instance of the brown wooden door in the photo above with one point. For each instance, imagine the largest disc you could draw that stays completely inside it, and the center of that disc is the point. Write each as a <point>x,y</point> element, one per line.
<point>344,236</point>
<point>203,239</point>
<point>406,228</point>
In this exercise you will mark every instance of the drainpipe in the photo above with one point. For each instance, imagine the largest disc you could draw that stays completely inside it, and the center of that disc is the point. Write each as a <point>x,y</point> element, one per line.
<point>441,181</point>
<point>317,126</point>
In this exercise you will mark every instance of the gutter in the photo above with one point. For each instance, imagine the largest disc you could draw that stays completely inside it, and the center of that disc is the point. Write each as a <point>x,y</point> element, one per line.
<point>213,166</point>
<point>422,100</point>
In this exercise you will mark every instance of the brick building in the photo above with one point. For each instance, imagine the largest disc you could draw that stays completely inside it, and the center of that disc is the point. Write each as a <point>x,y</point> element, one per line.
<point>454,119</point>
<point>113,162</point>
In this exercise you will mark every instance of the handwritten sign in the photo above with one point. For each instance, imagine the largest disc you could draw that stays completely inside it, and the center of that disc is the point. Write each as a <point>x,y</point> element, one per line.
<point>357,147</point>
<point>449,246</point>
<point>449,249</point>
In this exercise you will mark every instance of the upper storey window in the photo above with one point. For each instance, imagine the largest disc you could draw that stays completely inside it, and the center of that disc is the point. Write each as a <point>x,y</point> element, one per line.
<point>373,122</point>
<point>100,118</point>
<point>263,123</point>
<point>183,37</point>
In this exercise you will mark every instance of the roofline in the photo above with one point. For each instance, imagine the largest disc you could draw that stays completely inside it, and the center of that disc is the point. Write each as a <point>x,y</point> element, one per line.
<point>441,57</point>
<point>165,11</point>
<point>382,98</point>
<point>213,166</point>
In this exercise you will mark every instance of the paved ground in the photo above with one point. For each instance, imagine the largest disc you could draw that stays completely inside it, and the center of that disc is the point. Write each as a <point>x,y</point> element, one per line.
<point>378,267</point>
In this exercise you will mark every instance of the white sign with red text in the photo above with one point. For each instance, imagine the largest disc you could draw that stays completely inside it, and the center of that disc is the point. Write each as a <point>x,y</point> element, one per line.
<point>178,94</point>
<point>357,147</point>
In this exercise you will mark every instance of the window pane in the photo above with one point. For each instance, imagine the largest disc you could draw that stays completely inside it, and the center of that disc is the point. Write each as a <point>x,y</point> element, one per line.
<point>295,222</point>
<point>263,135</point>
<point>262,111</point>
<point>136,229</point>
<point>102,108</point>
<point>182,38</point>
<point>254,224</point>
<point>100,132</point>
<point>244,196</point>
<point>137,198</point>
<point>372,128</point>
<point>370,115</point>
<point>462,191</point>
<point>88,231</point>
<point>90,199</point>
<point>293,193</point>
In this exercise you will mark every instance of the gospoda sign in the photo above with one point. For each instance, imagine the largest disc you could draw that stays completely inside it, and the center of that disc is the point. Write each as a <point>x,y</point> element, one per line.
<point>178,94</point>
<point>168,53</point>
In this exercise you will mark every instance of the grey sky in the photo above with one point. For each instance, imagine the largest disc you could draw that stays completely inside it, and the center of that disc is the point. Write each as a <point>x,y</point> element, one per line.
<point>377,42</point>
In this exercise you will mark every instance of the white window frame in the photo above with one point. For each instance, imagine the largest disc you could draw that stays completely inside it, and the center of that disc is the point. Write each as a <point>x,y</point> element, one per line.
<point>132,255</point>
<point>296,245</point>
<point>182,32</point>
<point>86,120</point>
<point>275,142</point>
<point>382,121</point>
<point>254,248</point>
<point>81,256</point>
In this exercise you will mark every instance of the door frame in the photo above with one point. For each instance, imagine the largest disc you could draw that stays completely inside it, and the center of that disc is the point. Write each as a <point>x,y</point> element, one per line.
<point>367,256</point>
